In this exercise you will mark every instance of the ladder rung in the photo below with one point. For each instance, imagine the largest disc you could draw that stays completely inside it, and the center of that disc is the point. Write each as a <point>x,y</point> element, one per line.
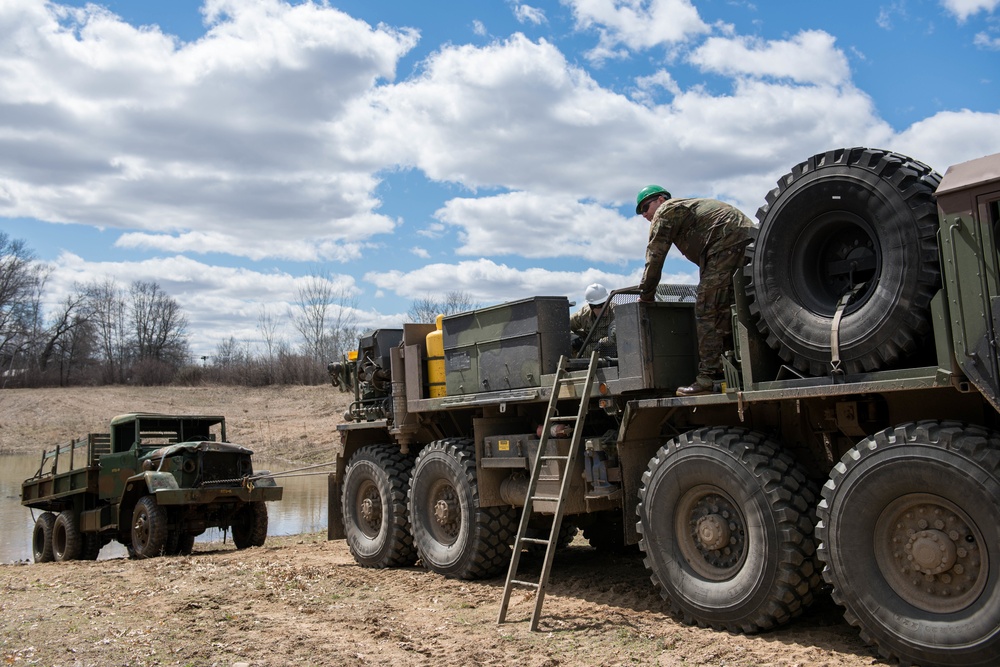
<point>567,418</point>
<point>534,540</point>
<point>524,583</point>
<point>554,457</point>
<point>545,498</point>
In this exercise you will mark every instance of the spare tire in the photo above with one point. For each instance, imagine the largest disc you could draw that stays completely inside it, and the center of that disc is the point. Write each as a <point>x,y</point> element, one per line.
<point>856,219</point>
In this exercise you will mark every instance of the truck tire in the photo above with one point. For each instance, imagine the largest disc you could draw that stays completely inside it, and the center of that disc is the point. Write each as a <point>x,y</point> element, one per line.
<point>179,543</point>
<point>149,528</point>
<point>67,542</point>
<point>41,537</point>
<point>373,501</point>
<point>838,220</point>
<point>726,524</point>
<point>92,544</point>
<point>453,535</point>
<point>910,533</point>
<point>250,525</point>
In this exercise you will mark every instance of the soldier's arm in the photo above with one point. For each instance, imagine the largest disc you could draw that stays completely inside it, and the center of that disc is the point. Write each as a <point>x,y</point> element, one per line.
<point>656,252</point>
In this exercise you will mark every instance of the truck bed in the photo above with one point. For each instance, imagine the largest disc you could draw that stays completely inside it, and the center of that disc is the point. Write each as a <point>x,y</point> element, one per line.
<point>64,472</point>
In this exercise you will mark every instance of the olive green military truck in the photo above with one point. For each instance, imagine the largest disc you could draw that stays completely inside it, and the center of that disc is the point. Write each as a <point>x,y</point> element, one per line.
<point>855,440</point>
<point>153,483</point>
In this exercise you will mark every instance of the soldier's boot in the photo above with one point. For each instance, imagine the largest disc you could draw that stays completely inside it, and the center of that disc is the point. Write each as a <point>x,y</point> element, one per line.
<point>701,385</point>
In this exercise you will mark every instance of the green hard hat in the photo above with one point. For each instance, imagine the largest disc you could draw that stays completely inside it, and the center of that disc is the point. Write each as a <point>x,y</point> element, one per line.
<point>648,192</point>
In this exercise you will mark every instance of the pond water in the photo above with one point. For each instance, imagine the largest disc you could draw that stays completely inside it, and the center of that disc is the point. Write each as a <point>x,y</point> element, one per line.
<point>302,508</point>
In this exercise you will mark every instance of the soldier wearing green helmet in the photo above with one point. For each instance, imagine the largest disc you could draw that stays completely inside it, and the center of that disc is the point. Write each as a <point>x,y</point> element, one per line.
<point>713,235</point>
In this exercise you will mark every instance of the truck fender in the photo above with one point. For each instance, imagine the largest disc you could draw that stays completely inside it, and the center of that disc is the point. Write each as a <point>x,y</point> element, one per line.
<point>159,481</point>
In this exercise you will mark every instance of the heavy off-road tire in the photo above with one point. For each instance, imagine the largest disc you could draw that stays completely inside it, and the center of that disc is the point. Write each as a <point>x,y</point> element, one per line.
<point>67,542</point>
<point>250,525</point>
<point>726,525</point>
<point>373,501</point>
<point>910,533</point>
<point>149,528</point>
<point>840,219</point>
<point>92,545</point>
<point>179,543</point>
<point>41,538</point>
<point>453,535</point>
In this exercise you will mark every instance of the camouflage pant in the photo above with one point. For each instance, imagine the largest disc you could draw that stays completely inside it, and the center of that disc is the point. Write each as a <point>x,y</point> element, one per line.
<point>712,309</point>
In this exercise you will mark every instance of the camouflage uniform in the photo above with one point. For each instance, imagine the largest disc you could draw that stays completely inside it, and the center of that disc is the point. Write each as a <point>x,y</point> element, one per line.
<point>713,235</point>
<point>582,320</point>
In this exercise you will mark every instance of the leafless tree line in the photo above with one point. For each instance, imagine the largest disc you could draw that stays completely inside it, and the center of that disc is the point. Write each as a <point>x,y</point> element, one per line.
<point>107,333</point>
<point>101,333</point>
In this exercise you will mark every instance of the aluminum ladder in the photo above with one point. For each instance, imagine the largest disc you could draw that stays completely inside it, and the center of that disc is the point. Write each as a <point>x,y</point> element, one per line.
<point>563,377</point>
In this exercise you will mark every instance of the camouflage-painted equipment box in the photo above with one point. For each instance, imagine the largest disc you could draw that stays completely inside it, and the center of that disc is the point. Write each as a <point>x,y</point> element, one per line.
<point>509,346</point>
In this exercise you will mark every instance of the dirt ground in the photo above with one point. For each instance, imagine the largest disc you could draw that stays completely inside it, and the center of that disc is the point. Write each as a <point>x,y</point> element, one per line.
<point>302,600</point>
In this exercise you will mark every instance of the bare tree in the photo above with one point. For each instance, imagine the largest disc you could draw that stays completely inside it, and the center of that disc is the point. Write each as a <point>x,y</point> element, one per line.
<point>61,329</point>
<point>326,319</point>
<point>21,281</point>
<point>159,328</point>
<point>427,309</point>
<point>106,305</point>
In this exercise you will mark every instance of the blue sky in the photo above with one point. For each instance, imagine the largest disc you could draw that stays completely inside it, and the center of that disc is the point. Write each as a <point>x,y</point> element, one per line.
<point>231,149</point>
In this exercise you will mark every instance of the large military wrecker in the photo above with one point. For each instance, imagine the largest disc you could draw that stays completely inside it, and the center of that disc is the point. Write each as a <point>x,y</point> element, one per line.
<point>153,483</point>
<point>855,438</point>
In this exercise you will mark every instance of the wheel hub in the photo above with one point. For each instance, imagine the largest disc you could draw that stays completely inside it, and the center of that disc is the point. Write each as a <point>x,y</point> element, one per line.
<point>929,551</point>
<point>370,510</point>
<point>714,541</point>
<point>446,511</point>
<point>713,532</point>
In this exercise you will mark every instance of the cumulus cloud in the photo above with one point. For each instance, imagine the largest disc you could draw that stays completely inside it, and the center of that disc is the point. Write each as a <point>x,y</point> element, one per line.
<point>636,24</point>
<point>529,14</point>
<point>809,57</point>
<point>963,9</point>
<point>537,226</point>
<point>487,282</point>
<point>112,125</point>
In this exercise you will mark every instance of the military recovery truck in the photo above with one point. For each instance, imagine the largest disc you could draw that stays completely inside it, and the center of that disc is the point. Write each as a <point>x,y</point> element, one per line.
<point>855,438</point>
<point>153,483</point>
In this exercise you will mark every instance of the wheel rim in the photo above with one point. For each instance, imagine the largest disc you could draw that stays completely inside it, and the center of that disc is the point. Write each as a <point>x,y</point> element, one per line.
<point>140,531</point>
<point>369,504</point>
<point>929,551</point>
<point>711,532</point>
<point>848,254</point>
<point>445,512</point>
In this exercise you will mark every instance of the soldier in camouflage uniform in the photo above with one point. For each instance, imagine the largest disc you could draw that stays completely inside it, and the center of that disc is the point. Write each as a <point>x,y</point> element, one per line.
<point>713,235</point>
<point>581,322</point>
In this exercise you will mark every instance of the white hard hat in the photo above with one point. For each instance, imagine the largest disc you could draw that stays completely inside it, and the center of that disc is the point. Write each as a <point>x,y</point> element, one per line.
<point>596,294</point>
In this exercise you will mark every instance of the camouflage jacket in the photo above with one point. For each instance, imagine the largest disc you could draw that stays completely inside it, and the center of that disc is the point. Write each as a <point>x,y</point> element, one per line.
<point>582,320</point>
<point>698,227</point>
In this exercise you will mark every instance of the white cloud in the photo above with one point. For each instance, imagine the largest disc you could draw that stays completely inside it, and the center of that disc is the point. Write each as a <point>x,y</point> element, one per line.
<point>986,41</point>
<point>963,9</point>
<point>487,282</point>
<point>636,24</point>
<point>111,125</point>
<point>646,85</point>
<point>808,57</point>
<point>950,137</point>
<point>529,14</point>
<point>536,226</point>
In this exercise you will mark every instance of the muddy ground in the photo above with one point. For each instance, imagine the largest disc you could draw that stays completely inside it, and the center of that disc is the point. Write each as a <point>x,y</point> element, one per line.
<point>302,600</point>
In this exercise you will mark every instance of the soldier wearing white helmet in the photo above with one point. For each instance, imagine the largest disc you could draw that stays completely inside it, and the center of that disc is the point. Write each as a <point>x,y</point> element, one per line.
<point>580,323</point>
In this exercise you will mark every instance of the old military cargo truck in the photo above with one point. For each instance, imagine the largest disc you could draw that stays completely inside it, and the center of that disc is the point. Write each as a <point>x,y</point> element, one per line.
<point>855,438</point>
<point>153,483</point>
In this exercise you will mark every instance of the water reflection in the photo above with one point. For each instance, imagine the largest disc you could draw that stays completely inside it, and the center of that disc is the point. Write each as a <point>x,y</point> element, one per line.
<point>302,508</point>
